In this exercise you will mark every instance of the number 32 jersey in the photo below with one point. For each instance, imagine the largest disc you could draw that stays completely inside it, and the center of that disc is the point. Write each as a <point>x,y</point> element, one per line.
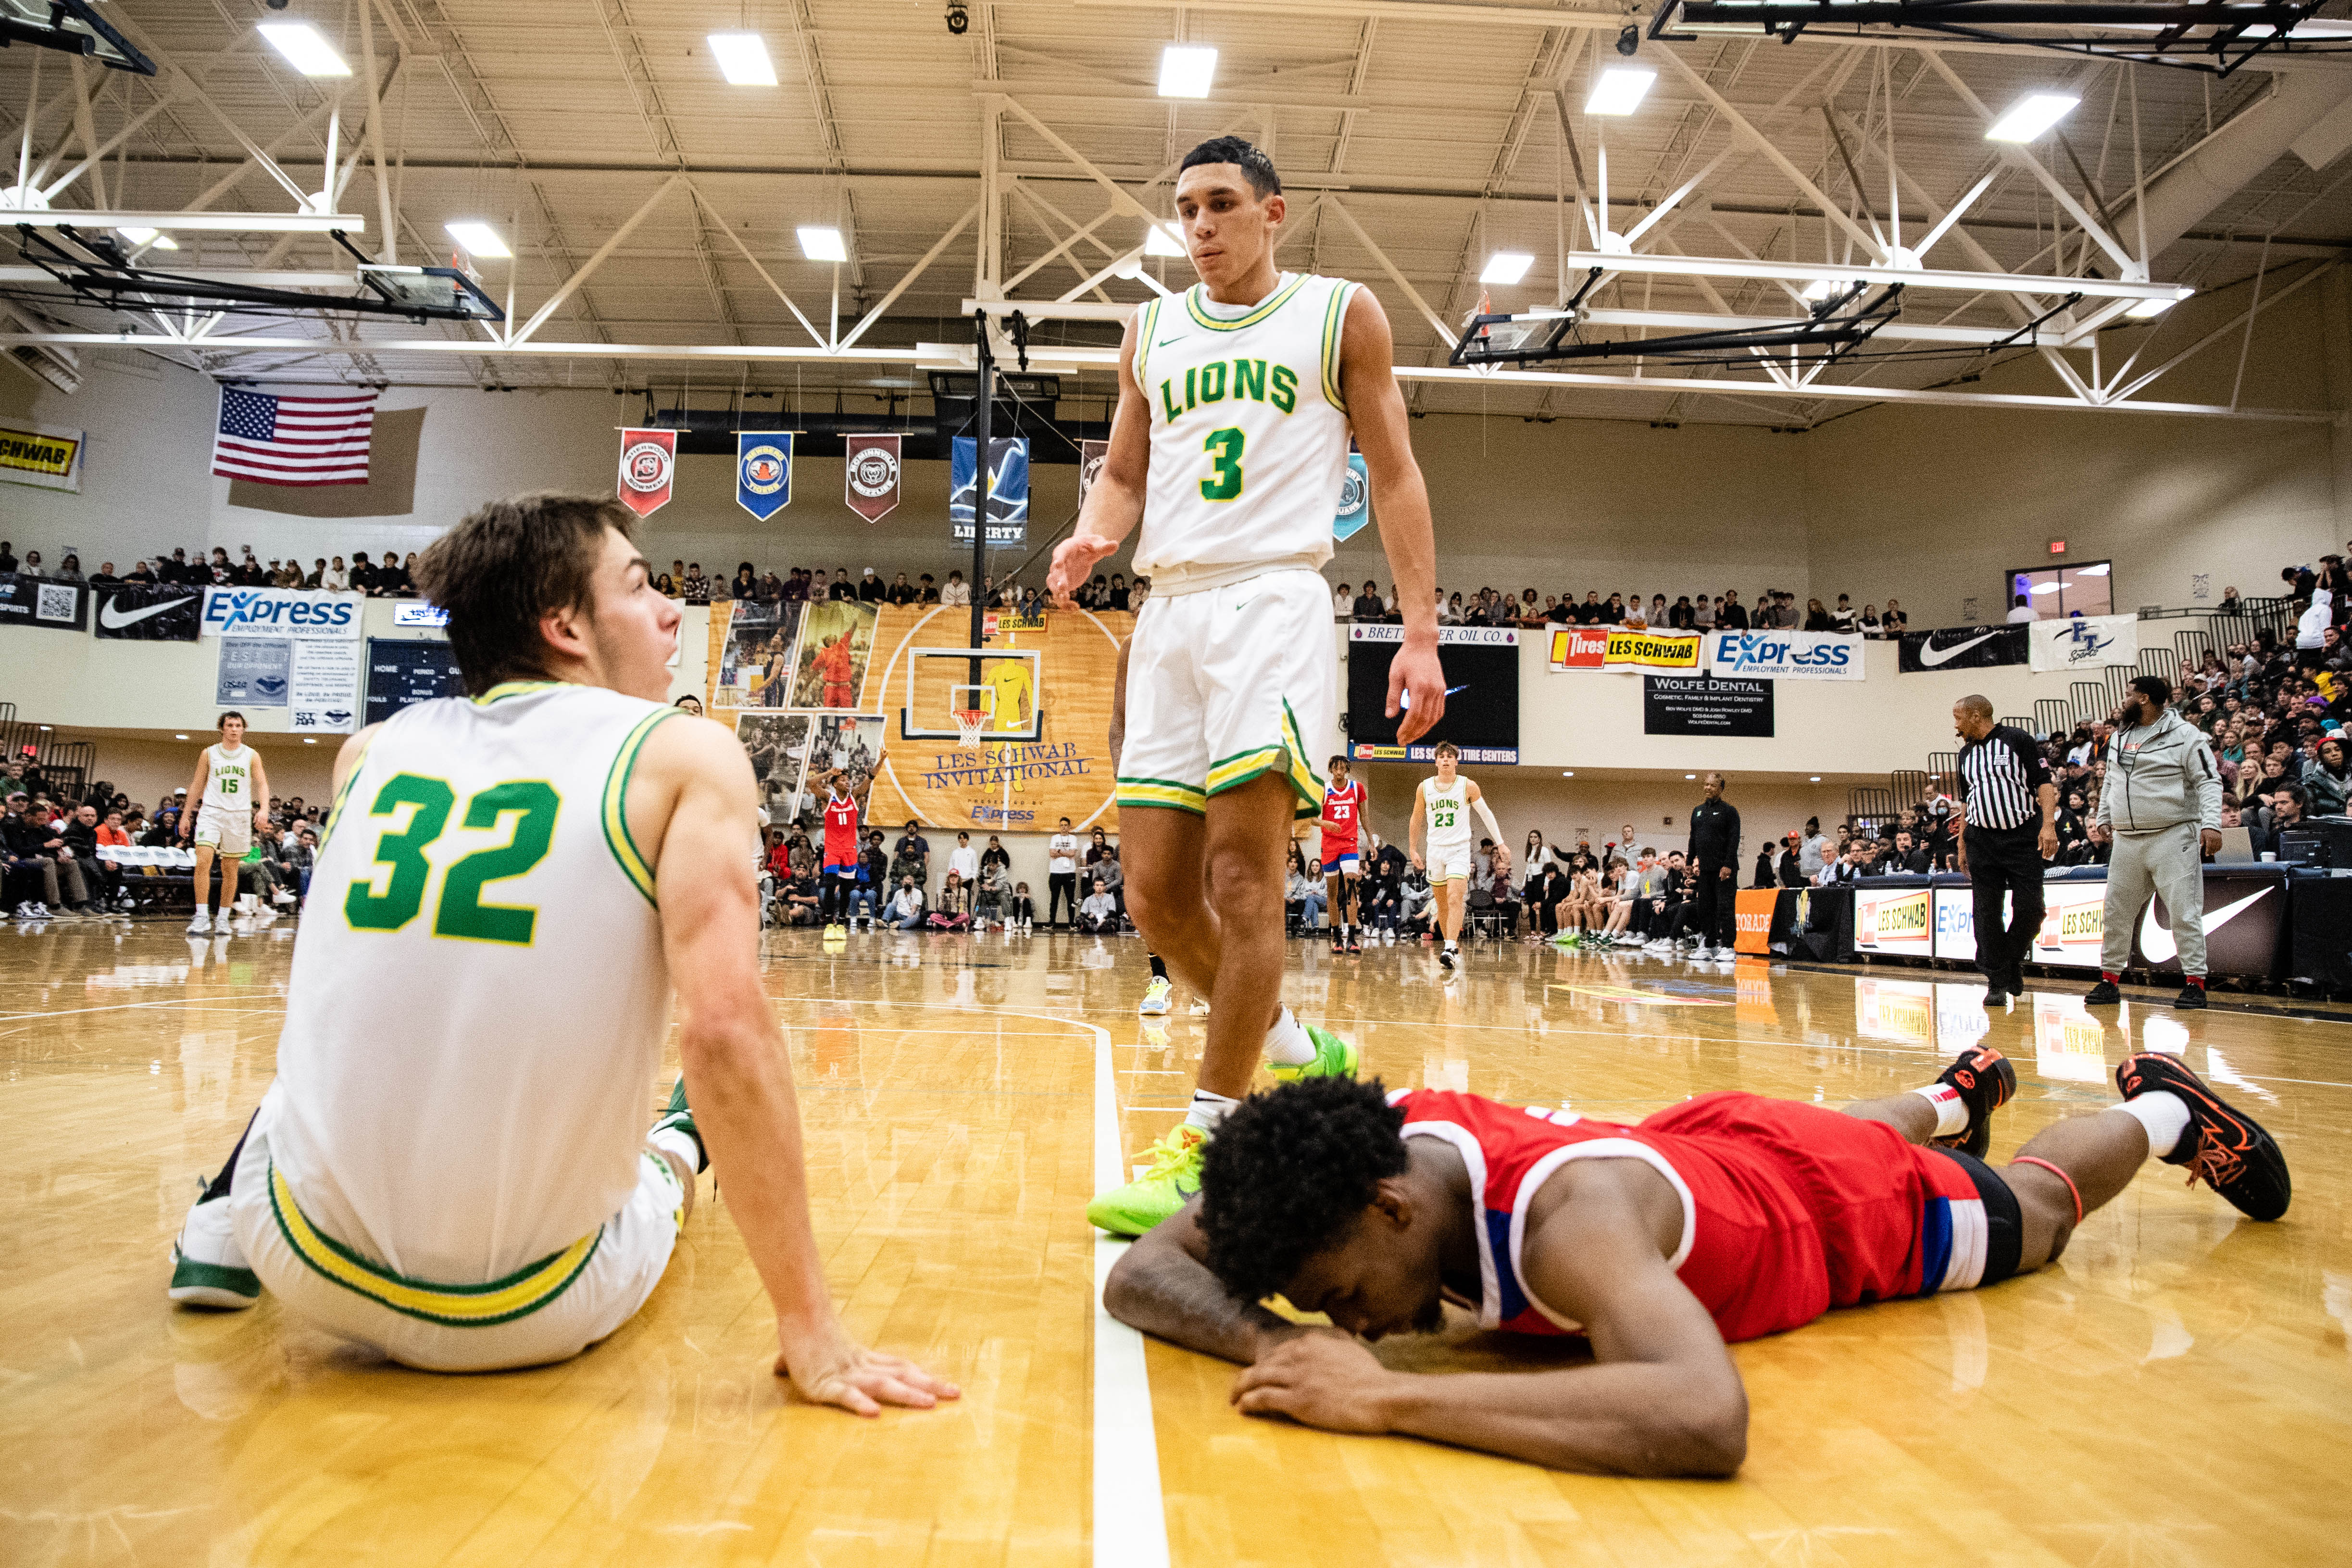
<point>478,996</point>
<point>1249,432</point>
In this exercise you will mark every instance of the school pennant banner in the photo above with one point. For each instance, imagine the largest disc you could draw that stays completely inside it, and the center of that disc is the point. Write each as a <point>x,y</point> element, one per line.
<point>1091,454</point>
<point>648,463</point>
<point>869,481</point>
<point>763,471</point>
<point>1355,501</point>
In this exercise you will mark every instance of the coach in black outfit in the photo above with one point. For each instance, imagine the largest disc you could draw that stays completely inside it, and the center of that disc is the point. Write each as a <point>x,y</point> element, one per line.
<point>2008,806</point>
<point>1714,860</point>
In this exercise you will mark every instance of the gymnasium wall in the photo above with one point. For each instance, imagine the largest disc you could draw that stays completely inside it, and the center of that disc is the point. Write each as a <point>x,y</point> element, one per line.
<point>1929,505</point>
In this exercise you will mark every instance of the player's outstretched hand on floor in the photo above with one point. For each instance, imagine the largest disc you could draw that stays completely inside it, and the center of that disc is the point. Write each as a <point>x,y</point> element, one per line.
<point>828,1367</point>
<point>1331,1381</point>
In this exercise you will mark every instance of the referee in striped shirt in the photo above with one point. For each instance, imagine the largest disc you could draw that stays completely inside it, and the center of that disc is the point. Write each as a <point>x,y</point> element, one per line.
<point>2008,806</point>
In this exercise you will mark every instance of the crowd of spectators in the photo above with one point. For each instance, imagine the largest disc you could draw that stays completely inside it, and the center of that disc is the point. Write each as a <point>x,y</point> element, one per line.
<point>972,888</point>
<point>391,576</point>
<point>1774,608</point>
<point>55,841</point>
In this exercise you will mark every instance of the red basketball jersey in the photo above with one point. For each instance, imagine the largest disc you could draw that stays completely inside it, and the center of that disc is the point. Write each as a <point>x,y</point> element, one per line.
<point>1344,805</point>
<point>840,831</point>
<point>1788,1209</point>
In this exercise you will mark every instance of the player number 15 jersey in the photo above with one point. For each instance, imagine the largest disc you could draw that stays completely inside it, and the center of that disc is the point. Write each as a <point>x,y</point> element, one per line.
<point>1249,432</point>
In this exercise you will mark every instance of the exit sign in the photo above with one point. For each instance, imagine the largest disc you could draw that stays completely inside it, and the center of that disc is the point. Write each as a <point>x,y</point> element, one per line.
<point>2057,547</point>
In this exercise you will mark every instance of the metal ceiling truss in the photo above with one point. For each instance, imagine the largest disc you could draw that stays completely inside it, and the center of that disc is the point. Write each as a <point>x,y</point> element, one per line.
<point>1862,307</point>
<point>2206,37</point>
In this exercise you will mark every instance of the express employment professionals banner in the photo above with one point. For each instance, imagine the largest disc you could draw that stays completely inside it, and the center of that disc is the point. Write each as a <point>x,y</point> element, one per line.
<point>1962,647</point>
<point>38,602</point>
<point>322,690</point>
<point>2085,642</point>
<point>140,614</point>
<point>1785,655</point>
<point>44,456</point>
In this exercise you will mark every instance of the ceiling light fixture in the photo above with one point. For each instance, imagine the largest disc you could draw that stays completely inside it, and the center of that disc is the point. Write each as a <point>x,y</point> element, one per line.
<point>1802,273</point>
<point>2148,309</point>
<point>1619,90</point>
<point>2031,115</point>
<point>823,244</point>
<point>1160,239</point>
<point>1690,775</point>
<point>1816,778</point>
<point>1506,267</point>
<point>743,59</point>
<point>304,49</point>
<point>1821,289</point>
<point>1186,70</point>
<point>154,240</point>
<point>2099,571</point>
<point>478,238</point>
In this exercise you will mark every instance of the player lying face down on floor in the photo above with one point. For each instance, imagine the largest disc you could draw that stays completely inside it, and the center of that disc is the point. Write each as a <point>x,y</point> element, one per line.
<point>1725,1217</point>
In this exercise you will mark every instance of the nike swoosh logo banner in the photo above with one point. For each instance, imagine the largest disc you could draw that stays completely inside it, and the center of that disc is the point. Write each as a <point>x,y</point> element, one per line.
<point>1963,648</point>
<point>2233,946</point>
<point>149,615</point>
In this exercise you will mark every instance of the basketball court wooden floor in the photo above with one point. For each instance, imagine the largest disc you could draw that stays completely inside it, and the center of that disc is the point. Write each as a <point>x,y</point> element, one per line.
<point>2178,1390</point>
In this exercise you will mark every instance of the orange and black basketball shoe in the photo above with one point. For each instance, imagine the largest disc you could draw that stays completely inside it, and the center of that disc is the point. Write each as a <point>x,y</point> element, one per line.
<point>1985,1080</point>
<point>2223,1146</point>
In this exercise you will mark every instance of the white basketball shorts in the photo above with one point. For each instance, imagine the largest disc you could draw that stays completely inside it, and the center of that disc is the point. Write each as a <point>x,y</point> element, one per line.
<point>1226,683</point>
<point>226,828</point>
<point>546,1312</point>
<point>1447,863</point>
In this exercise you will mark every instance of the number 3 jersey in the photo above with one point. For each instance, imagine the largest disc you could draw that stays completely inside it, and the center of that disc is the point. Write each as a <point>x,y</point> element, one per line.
<point>1249,432</point>
<point>480,995</point>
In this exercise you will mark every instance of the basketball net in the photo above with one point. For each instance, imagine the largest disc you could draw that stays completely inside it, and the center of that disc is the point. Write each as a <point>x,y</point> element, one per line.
<point>970,721</point>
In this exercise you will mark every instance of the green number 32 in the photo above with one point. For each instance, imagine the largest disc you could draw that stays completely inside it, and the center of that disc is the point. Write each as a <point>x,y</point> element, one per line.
<point>461,912</point>
<point>1224,480</point>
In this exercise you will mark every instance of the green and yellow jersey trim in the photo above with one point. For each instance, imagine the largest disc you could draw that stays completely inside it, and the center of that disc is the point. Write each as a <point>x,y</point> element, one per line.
<point>1335,320</point>
<point>1146,328</point>
<point>1288,756</point>
<point>1281,297</point>
<point>518,1295</point>
<point>1170,793</point>
<point>506,688</point>
<point>633,862</point>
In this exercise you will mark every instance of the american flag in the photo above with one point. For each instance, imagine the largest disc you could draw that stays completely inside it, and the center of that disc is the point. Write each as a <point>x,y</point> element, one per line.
<point>293,440</point>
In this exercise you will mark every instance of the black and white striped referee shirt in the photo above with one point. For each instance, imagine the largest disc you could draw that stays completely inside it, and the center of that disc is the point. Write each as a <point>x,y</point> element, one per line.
<point>1998,777</point>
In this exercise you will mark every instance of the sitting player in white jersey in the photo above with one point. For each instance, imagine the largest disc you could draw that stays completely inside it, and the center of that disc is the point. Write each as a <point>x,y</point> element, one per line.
<point>1228,448</point>
<point>229,784</point>
<point>1344,801</point>
<point>452,1168</point>
<point>1721,1218</point>
<point>1441,843</point>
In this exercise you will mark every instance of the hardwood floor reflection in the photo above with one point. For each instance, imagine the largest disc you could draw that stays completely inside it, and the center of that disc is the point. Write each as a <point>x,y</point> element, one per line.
<point>2177,1390</point>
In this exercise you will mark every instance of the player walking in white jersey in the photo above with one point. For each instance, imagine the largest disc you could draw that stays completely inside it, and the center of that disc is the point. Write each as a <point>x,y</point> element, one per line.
<point>229,784</point>
<point>451,1167</point>
<point>1441,842</point>
<point>1237,401</point>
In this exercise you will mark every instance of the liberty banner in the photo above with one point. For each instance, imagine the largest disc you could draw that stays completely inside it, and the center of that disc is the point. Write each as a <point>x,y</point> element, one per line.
<point>763,471</point>
<point>1355,500</point>
<point>1008,489</point>
<point>648,460</point>
<point>869,479</point>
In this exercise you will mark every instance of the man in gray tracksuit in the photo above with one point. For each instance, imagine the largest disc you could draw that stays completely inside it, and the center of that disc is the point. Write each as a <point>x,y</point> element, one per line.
<point>2161,806</point>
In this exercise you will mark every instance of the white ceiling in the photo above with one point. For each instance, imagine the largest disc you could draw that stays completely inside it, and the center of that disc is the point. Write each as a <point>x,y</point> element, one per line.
<point>556,119</point>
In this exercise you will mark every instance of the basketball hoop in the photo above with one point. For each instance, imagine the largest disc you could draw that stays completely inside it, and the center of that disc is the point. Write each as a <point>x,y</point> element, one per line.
<point>970,721</point>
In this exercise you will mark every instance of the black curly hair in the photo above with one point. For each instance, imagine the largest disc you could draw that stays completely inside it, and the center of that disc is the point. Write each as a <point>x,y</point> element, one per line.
<point>1254,165</point>
<point>1287,1172</point>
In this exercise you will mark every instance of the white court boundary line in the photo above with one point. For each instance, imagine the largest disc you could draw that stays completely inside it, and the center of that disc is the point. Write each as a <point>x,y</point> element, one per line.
<point>1130,1518</point>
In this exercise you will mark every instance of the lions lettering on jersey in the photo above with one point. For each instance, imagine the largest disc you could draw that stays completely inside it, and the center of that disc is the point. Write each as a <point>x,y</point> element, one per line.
<point>1250,378</point>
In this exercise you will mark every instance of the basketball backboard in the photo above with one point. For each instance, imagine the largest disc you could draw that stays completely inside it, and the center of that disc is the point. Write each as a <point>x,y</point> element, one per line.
<point>1010,689</point>
<point>444,290</point>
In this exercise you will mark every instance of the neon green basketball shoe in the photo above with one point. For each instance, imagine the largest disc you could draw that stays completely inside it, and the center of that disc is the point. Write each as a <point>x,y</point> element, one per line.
<point>1167,1184</point>
<point>1334,1057</point>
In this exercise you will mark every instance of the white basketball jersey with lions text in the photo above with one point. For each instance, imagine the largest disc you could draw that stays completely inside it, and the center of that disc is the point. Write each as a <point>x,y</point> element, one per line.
<point>228,778</point>
<point>478,996</point>
<point>1249,432</point>
<point>1449,813</point>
